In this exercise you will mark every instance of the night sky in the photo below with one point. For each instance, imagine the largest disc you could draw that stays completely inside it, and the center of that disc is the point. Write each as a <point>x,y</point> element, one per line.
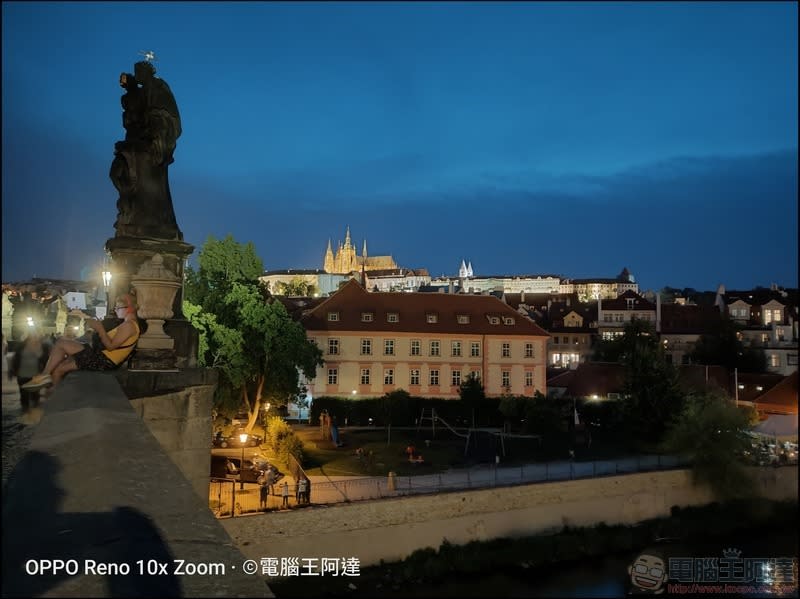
<point>570,139</point>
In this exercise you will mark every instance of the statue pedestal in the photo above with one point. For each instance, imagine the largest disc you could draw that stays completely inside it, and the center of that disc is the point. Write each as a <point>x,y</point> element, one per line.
<point>154,269</point>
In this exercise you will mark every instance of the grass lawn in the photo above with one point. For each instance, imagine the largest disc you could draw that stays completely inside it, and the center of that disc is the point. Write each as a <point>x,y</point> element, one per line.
<point>445,451</point>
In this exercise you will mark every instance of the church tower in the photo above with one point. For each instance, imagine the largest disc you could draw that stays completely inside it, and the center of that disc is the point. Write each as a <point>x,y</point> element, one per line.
<point>328,265</point>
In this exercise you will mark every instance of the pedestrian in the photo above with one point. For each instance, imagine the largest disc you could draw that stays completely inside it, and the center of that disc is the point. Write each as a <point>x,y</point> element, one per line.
<point>285,493</point>
<point>28,361</point>
<point>263,492</point>
<point>270,482</point>
<point>303,490</point>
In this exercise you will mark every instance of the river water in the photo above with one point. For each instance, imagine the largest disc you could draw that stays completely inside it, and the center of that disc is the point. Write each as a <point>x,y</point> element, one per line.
<point>602,577</point>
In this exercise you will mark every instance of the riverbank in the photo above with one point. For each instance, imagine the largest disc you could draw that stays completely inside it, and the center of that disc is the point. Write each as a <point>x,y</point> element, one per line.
<point>507,565</point>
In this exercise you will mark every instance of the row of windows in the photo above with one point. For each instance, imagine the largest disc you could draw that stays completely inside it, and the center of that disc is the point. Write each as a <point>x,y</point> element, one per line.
<point>565,340</point>
<point>433,377</point>
<point>434,348</point>
<point>430,318</point>
<point>617,317</point>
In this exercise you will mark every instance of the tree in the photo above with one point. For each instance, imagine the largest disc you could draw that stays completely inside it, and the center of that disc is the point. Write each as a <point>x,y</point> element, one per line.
<point>390,404</point>
<point>652,393</point>
<point>712,432</point>
<point>471,388</point>
<point>297,287</point>
<point>723,347</point>
<point>259,350</point>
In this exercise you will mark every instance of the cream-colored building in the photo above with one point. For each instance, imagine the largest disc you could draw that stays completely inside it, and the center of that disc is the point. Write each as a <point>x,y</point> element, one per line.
<point>425,343</point>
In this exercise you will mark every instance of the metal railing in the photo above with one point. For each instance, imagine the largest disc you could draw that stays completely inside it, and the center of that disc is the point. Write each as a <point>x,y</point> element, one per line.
<point>227,500</point>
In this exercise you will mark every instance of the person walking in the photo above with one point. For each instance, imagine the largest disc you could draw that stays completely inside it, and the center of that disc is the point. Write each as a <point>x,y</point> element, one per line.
<point>285,493</point>
<point>26,363</point>
<point>263,492</point>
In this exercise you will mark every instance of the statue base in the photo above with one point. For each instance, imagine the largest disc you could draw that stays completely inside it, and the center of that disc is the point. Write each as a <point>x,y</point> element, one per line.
<point>163,360</point>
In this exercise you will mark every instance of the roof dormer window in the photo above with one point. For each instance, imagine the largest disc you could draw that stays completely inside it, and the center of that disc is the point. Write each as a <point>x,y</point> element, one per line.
<point>462,318</point>
<point>392,317</point>
<point>432,318</point>
<point>333,316</point>
<point>508,320</point>
<point>367,316</point>
<point>494,320</point>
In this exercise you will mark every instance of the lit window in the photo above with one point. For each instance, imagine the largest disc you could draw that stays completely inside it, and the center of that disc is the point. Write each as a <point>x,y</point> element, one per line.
<point>392,317</point>
<point>388,376</point>
<point>455,349</point>
<point>434,347</point>
<point>432,318</point>
<point>475,349</point>
<point>463,319</point>
<point>528,379</point>
<point>333,347</point>
<point>365,376</point>
<point>506,378</point>
<point>366,347</point>
<point>388,347</point>
<point>415,347</point>
<point>456,378</point>
<point>774,360</point>
<point>366,316</point>
<point>759,388</point>
<point>506,350</point>
<point>529,350</point>
<point>333,376</point>
<point>434,377</point>
<point>333,316</point>
<point>414,378</point>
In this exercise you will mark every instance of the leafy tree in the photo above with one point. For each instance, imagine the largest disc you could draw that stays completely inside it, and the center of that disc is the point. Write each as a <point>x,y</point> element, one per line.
<point>390,404</point>
<point>259,350</point>
<point>652,394</point>
<point>723,347</point>
<point>297,287</point>
<point>711,432</point>
<point>513,408</point>
<point>471,388</point>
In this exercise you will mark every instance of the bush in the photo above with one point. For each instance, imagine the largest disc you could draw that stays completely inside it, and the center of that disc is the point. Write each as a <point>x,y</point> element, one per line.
<point>282,441</point>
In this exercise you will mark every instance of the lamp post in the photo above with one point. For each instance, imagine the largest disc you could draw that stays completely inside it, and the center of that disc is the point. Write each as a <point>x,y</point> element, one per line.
<point>106,285</point>
<point>266,415</point>
<point>243,439</point>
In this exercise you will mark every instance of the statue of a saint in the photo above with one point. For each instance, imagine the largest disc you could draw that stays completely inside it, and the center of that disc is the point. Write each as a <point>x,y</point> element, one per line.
<point>139,170</point>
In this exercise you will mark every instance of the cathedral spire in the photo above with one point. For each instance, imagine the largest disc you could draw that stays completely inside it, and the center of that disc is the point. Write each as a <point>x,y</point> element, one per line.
<point>364,251</point>
<point>347,237</point>
<point>328,264</point>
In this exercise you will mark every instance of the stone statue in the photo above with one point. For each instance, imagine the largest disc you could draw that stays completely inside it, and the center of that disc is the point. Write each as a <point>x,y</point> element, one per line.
<point>139,170</point>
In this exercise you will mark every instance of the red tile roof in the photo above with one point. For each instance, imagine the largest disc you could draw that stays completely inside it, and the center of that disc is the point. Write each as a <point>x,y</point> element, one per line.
<point>781,399</point>
<point>413,309</point>
<point>621,302</point>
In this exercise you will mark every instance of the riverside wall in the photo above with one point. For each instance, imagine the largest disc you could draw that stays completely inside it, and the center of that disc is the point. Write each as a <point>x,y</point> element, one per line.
<point>391,529</point>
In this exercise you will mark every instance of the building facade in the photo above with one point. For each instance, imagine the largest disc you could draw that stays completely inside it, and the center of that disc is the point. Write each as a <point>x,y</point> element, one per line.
<point>427,344</point>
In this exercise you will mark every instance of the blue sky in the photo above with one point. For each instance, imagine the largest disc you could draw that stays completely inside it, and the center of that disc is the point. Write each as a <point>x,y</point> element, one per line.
<point>566,138</point>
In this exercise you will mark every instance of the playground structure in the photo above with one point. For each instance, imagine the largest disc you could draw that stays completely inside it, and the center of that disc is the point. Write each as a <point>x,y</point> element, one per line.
<point>471,436</point>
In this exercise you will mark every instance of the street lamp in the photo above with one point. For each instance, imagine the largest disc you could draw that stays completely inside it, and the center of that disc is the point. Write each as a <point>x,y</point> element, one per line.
<point>243,439</point>
<point>266,414</point>
<point>106,285</point>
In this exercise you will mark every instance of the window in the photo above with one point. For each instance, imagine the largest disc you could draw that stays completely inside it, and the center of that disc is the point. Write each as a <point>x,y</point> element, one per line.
<point>414,378</point>
<point>494,320</point>
<point>432,318</point>
<point>455,349</point>
<point>508,320</point>
<point>774,360</point>
<point>475,374</point>
<point>392,317</point>
<point>415,351</point>
<point>764,337</point>
<point>333,347</point>
<point>333,376</point>
<point>463,319</point>
<point>365,376</point>
<point>434,378</point>
<point>575,341</point>
<point>556,340</point>
<point>629,303</point>
<point>506,378</point>
<point>366,347</point>
<point>388,376</point>
<point>606,317</point>
<point>781,335</point>
<point>366,317</point>
<point>388,347</point>
<point>475,349</point>
<point>333,316</point>
<point>456,378</point>
<point>528,378</point>
<point>434,348</point>
<point>506,352</point>
<point>529,350</point>
<point>791,359</point>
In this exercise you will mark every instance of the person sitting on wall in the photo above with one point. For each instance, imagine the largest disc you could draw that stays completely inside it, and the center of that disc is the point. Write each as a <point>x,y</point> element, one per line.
<point>68,354</point>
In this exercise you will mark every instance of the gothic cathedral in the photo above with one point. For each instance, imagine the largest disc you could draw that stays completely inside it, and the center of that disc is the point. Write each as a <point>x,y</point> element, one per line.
<point>346,261</point>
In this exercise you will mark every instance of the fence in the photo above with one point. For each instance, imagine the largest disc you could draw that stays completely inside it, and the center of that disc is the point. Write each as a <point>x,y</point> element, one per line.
<point>226,499</point>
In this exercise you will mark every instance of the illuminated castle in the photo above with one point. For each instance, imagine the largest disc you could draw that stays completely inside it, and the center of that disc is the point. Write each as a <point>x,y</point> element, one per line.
<point>345,260</point>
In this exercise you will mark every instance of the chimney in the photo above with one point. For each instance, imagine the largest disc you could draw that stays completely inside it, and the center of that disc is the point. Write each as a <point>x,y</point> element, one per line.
<point>658,312</point>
